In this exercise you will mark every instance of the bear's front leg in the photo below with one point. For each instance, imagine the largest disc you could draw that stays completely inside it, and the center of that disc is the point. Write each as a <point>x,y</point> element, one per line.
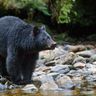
<point>3,70</point>
<point>12,65</point>
<point>28,67</point>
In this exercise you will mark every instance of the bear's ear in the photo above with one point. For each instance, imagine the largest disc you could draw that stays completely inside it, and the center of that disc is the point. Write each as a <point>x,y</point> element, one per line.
<point>35,30</point>
<point>43,27</point>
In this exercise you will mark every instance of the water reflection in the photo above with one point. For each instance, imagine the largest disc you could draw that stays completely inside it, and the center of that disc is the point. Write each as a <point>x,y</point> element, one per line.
<point>57,93</point>
<point>77,92</point>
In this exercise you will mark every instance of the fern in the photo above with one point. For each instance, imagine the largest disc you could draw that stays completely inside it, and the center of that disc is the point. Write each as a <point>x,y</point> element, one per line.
<point>30,4</point>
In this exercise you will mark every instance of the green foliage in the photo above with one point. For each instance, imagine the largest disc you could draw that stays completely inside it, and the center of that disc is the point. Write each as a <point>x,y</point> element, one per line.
<point>65,11</point>
<point>40,5</point>
<point>29,4</point>
<point>61,10</point>
<point>74,11</point>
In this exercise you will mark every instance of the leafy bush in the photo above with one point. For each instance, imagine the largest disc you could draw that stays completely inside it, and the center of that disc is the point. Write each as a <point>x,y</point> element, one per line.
<point>74,11</point>
<point>61,10</point>
<point>65,11</point>
<point>29,4</point>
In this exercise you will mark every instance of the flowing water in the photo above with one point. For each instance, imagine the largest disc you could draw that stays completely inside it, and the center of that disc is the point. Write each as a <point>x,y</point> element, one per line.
<point>76,92</point>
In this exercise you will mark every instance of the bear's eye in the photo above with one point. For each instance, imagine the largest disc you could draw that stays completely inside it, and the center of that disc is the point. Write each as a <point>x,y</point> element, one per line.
<point>43,39</point>
<point>48,37</point>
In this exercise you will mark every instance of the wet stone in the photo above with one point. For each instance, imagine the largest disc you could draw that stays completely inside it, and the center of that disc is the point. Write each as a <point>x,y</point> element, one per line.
<point>30,88</point>
<point>60,69</point>
<point>87,53</point>
<point>79,65</point>
<point>64,82</point>
<point>49,86</point>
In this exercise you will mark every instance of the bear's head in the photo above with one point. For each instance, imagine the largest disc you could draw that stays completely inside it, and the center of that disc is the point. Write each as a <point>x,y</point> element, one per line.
<point>43,41</point>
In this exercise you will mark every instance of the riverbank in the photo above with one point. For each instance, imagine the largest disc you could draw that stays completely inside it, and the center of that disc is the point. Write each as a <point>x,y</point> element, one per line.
<point>67,67</point>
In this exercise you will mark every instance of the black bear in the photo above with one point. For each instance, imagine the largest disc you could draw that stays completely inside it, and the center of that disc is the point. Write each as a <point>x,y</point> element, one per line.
<point>20,44</point>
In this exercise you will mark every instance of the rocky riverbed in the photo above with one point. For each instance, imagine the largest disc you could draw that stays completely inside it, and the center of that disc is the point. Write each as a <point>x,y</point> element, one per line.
<point>65,67</point>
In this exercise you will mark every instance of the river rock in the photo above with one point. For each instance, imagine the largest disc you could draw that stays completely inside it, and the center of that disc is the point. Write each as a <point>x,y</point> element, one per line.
<point>49,86</point>
<point>79,65</point>
<point>64,81</point>
<point>94,62</point>
<point>53,74</point>
<point>59,51</point>
<point>75,48</point>
<point>66,59</point>
<point>50,55</point>
<point>42,69</point>
<point>91,78</point>
<point>77,81</point>
<point>79,59</point>
<point>93,58</point>
<point>60,69</point>
<point>43,78</point>
<point>40,62</point>
<point>88,46</point>
<point>76,73</point>
<point>38,73</point>
<point>92,70</point>
<point>2,86</point>
<point>30,88</point>
<point>87,53</point>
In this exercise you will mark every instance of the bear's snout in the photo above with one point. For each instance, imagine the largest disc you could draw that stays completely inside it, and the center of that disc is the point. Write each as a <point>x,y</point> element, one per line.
<point>52,45</point>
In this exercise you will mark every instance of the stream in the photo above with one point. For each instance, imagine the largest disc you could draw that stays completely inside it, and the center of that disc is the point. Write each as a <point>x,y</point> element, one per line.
<point>77,92</point>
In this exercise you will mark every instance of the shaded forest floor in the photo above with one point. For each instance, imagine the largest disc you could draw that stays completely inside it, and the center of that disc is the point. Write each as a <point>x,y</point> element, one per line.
<point>64,39</point>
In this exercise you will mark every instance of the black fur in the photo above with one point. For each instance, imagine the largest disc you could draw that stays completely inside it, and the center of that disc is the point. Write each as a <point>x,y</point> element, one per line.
<point>20,44</point>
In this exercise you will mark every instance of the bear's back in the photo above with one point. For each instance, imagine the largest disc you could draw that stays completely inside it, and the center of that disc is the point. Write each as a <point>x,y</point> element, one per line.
<point>7,25</point>
<point>10,20</point>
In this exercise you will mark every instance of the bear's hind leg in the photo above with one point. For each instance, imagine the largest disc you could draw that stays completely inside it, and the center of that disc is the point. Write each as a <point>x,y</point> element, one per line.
<point>12,65</point>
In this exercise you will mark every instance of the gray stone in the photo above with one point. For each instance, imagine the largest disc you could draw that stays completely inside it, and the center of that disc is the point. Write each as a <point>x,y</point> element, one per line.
<point>40,62</point>
<point>91,78</point>
<point>2,87</point>
<point>87,53</point>
<point>30,88</point>
<point>94,62</point>
<point>43,69</point>
<point>38,73</point>
<point>44,78</point>
<point>73,73</point>
<point>67,58</point>
<point>59,51</point>
<point>92,70</point>
<point>64,81</point>
<point>60,69</point>
<point>49,86</point>
<point>77,81</point>
<point>75,48</point>
<point>79,59</point>
<point>79,65</point>
<point>10,85</point>
<point>93,58</point>
<point>53,74</point>
<point>50,55</point>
